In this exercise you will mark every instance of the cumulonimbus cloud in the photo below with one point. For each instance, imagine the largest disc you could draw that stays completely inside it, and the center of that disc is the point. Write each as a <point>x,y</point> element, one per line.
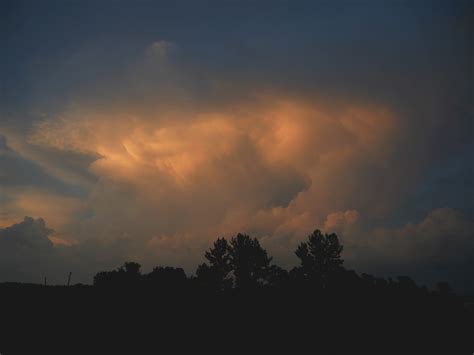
<point>171,175</point>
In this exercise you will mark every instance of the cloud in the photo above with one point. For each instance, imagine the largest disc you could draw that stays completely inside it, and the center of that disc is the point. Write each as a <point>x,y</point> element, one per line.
<point>28,188</point>
<point>186,143</point>
<point>444,236</point>
<point>439,247</point>
<point>19,171</point>
<point>160,49</point>
<point>337,220</point>
<point>239,160</point>
<point>30,233</point>
<point>59,210</point>
<point>24,249</point>
<point>31,251</point>
<point>170,179</point>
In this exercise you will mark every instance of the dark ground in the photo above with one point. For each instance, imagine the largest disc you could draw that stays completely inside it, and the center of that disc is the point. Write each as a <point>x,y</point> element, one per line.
<point>87,319</point>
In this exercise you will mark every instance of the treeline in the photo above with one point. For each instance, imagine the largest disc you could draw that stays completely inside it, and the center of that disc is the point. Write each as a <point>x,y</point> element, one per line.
<point>243,265</point>
<point>238,301</point>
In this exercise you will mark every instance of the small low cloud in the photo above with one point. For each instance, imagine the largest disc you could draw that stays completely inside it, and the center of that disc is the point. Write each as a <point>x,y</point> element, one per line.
<point>439,247</point>
<point>25,249</point>
<point>160,49</point>
<point>30,233</point>
<point>444,236</point>
<point>337,220</point>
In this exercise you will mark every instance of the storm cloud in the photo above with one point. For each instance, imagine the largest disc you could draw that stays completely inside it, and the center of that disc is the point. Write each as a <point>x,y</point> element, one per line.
<point>271,119</point>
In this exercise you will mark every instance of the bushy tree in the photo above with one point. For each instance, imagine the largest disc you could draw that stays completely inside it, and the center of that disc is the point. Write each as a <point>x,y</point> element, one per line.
<point>277,277</point>
<point>249,261</point>
<point>127,274</point>
<point>131,268</point>
<point>166,278</point>
<point>215,275</point>
<point>241,260</point>
<point>320,257</point>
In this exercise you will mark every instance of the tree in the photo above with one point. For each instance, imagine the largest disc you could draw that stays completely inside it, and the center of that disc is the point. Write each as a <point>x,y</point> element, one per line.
<point>277,277</point>
<point>131,268</point>
<point>125,275</point>
<point>216,274</point>
<point>166,278</point>
<point>249,261</point>
<point>130,273</point>
<point>320,257</point>
<point>105,278</point>
<point>443,288</point>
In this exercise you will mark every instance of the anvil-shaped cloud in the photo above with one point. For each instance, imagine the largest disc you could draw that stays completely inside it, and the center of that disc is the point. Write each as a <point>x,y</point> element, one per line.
<point>151,156</point>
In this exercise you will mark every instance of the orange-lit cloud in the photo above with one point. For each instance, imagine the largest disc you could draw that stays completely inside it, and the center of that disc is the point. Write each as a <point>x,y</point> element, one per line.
<point>273,166</point>
<point>183,144</point>
<point>160,173</point>
<point>60,211</point>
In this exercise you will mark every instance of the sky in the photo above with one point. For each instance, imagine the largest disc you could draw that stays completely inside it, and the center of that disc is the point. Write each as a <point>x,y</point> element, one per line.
<point>143,130</point>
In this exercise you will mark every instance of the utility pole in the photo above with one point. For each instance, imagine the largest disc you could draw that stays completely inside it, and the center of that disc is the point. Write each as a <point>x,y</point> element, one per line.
<point>69,278</point>
<point>45,281</point>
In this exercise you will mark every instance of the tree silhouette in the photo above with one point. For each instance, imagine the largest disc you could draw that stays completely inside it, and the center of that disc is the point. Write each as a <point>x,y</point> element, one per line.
<point>131,268</point>
<point>127,274</point>
<point>277,276</point>
<point>276,308</point>
<point>104,278</point>
<point>216,274</point>
<point>166,278</point>
<point>320,257</point>
<point>443,288</point>
<point>130,273</point>
<point>249,261</point>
